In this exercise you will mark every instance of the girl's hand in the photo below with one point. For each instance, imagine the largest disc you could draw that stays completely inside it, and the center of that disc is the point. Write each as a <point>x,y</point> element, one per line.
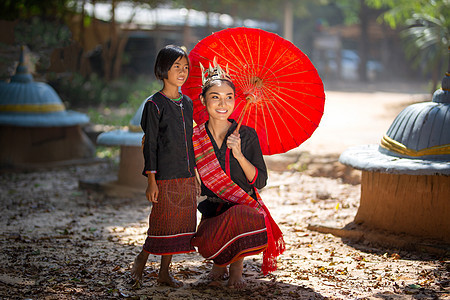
<point>234,143</point>
<point>152,192</point>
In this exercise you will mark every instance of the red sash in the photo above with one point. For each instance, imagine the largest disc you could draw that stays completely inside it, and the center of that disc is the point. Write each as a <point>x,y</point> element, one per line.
<point>221,184</point>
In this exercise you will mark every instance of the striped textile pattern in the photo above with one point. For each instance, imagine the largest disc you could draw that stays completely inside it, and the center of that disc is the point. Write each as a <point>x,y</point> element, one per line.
<point>221,184</point>
<point>172,221</point>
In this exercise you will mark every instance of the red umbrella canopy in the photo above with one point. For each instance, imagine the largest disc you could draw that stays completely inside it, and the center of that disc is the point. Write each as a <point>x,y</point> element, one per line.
<point>288,92</point>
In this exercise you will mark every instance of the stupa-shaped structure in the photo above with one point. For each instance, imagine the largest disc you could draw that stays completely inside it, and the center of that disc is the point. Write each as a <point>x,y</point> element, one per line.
<point>405,184</point>
<point>35,127</point>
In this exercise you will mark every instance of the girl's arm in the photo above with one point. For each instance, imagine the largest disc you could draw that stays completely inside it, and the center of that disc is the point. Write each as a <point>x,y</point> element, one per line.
<point>150,126</point>
<point>152,190</point>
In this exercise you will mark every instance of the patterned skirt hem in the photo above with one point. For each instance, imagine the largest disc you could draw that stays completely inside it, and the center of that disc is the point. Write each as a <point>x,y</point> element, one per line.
<point>169,245</point>
<point>246,246</point>
<point>171,253</point>
<point>243,254</point>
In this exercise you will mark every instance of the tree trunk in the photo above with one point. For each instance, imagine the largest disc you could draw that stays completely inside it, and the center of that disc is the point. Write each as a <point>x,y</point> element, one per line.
<point>288,21</point>
<point>118,56</point>
<point>363,41</point>
<point>109,49</point>
<point>208,23</point>
<point>82,63</point>
<point>186,29</point>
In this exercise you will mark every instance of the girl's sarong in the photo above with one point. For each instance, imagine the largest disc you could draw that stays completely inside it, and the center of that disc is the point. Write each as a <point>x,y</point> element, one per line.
<point>238,232</point>
<point>173,219</point>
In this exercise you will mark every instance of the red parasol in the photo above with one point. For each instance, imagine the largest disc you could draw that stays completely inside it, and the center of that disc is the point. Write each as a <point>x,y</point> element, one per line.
<point>285,91</point>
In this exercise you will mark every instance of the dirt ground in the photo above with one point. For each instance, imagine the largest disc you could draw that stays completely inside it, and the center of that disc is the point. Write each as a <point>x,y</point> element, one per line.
<point>59,241</point>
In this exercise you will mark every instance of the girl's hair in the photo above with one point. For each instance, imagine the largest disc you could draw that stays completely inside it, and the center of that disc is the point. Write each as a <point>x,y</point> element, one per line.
<point>212,83</point>
<point>165,59</point>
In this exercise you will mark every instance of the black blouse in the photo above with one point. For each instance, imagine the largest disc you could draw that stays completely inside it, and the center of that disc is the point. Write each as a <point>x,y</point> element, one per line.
<point>252,151</point>
<point>168,148</point>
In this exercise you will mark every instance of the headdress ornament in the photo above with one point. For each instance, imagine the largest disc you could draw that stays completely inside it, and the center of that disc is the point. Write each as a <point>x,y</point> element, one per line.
<point>214,72</point>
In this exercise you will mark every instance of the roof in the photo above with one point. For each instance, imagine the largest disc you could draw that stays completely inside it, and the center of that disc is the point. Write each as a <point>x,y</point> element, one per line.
<point>143,16</point>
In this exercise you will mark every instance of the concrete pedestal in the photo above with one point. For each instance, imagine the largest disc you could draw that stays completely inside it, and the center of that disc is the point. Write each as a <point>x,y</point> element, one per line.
<point>418,205</point>
<point>130,168</point>
<point>31,145</point>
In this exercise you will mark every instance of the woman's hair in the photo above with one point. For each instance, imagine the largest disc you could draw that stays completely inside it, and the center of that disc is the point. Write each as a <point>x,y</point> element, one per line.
<point>165,59</point>
<point>212,83</point>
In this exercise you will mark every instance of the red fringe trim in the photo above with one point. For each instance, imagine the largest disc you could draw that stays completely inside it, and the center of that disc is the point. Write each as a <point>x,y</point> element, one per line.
<point>275,244</point>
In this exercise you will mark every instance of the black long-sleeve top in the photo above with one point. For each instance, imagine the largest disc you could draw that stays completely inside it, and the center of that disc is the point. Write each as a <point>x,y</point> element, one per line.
<point>168,149</point>
<point>251,149</point>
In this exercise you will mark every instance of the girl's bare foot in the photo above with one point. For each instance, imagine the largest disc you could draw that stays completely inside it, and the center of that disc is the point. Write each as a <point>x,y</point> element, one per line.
<point>164,275</point>
<point>138,266</point>
<point>236,280</point>
<point>167,279</point>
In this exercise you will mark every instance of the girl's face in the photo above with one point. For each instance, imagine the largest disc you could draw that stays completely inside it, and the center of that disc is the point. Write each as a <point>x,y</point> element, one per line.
<point>178,72</point>
<point>219,101</point>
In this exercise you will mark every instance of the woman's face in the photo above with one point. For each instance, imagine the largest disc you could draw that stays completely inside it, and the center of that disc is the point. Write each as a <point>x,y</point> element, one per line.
<point>219,101</point>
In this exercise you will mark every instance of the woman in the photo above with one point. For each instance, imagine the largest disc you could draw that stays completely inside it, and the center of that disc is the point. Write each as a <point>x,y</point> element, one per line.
<point>235,222</point>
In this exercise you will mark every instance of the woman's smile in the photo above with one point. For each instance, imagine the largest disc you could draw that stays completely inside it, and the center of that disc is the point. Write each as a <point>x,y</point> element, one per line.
<point>220,101</point>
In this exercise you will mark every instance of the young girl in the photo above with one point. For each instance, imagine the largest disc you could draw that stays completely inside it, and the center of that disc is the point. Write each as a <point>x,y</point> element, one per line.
<point>169,165</point>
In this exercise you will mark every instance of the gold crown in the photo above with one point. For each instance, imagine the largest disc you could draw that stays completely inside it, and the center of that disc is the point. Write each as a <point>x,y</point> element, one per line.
<point>214,72</point>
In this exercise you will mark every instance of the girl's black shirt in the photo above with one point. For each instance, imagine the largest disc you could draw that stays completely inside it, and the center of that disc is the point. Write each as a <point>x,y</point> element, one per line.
<point>167,144</point>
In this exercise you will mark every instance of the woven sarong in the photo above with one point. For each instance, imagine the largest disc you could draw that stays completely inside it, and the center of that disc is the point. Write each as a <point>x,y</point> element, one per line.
<point>173,219</point>
<point>238,232</point>
<point>221,184</point>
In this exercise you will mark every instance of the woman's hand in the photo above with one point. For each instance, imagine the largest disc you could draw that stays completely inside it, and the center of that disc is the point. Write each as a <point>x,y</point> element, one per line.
<point>152,190</point>
<point>234,143</point>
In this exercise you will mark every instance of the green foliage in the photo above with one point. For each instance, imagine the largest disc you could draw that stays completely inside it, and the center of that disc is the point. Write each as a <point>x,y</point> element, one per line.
<point>39,34</point>
<point>110,152</point>
<point>112,103</point>
<point>426,40</point>
<point>42,37</point>
<point>400,11</point>
<point>24,9</point>
<point>426,32</point>
<point>350,9</point>
<point>78,91</point>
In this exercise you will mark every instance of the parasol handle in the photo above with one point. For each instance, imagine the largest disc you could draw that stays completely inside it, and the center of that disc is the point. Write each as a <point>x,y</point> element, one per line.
<point>249,99</point>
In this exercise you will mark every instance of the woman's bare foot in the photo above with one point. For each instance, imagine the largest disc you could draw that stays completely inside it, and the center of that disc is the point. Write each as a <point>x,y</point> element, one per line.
<point>236,280</point>
<point>167,279</point>
<point>217,273</point>
<point>138,266</point>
